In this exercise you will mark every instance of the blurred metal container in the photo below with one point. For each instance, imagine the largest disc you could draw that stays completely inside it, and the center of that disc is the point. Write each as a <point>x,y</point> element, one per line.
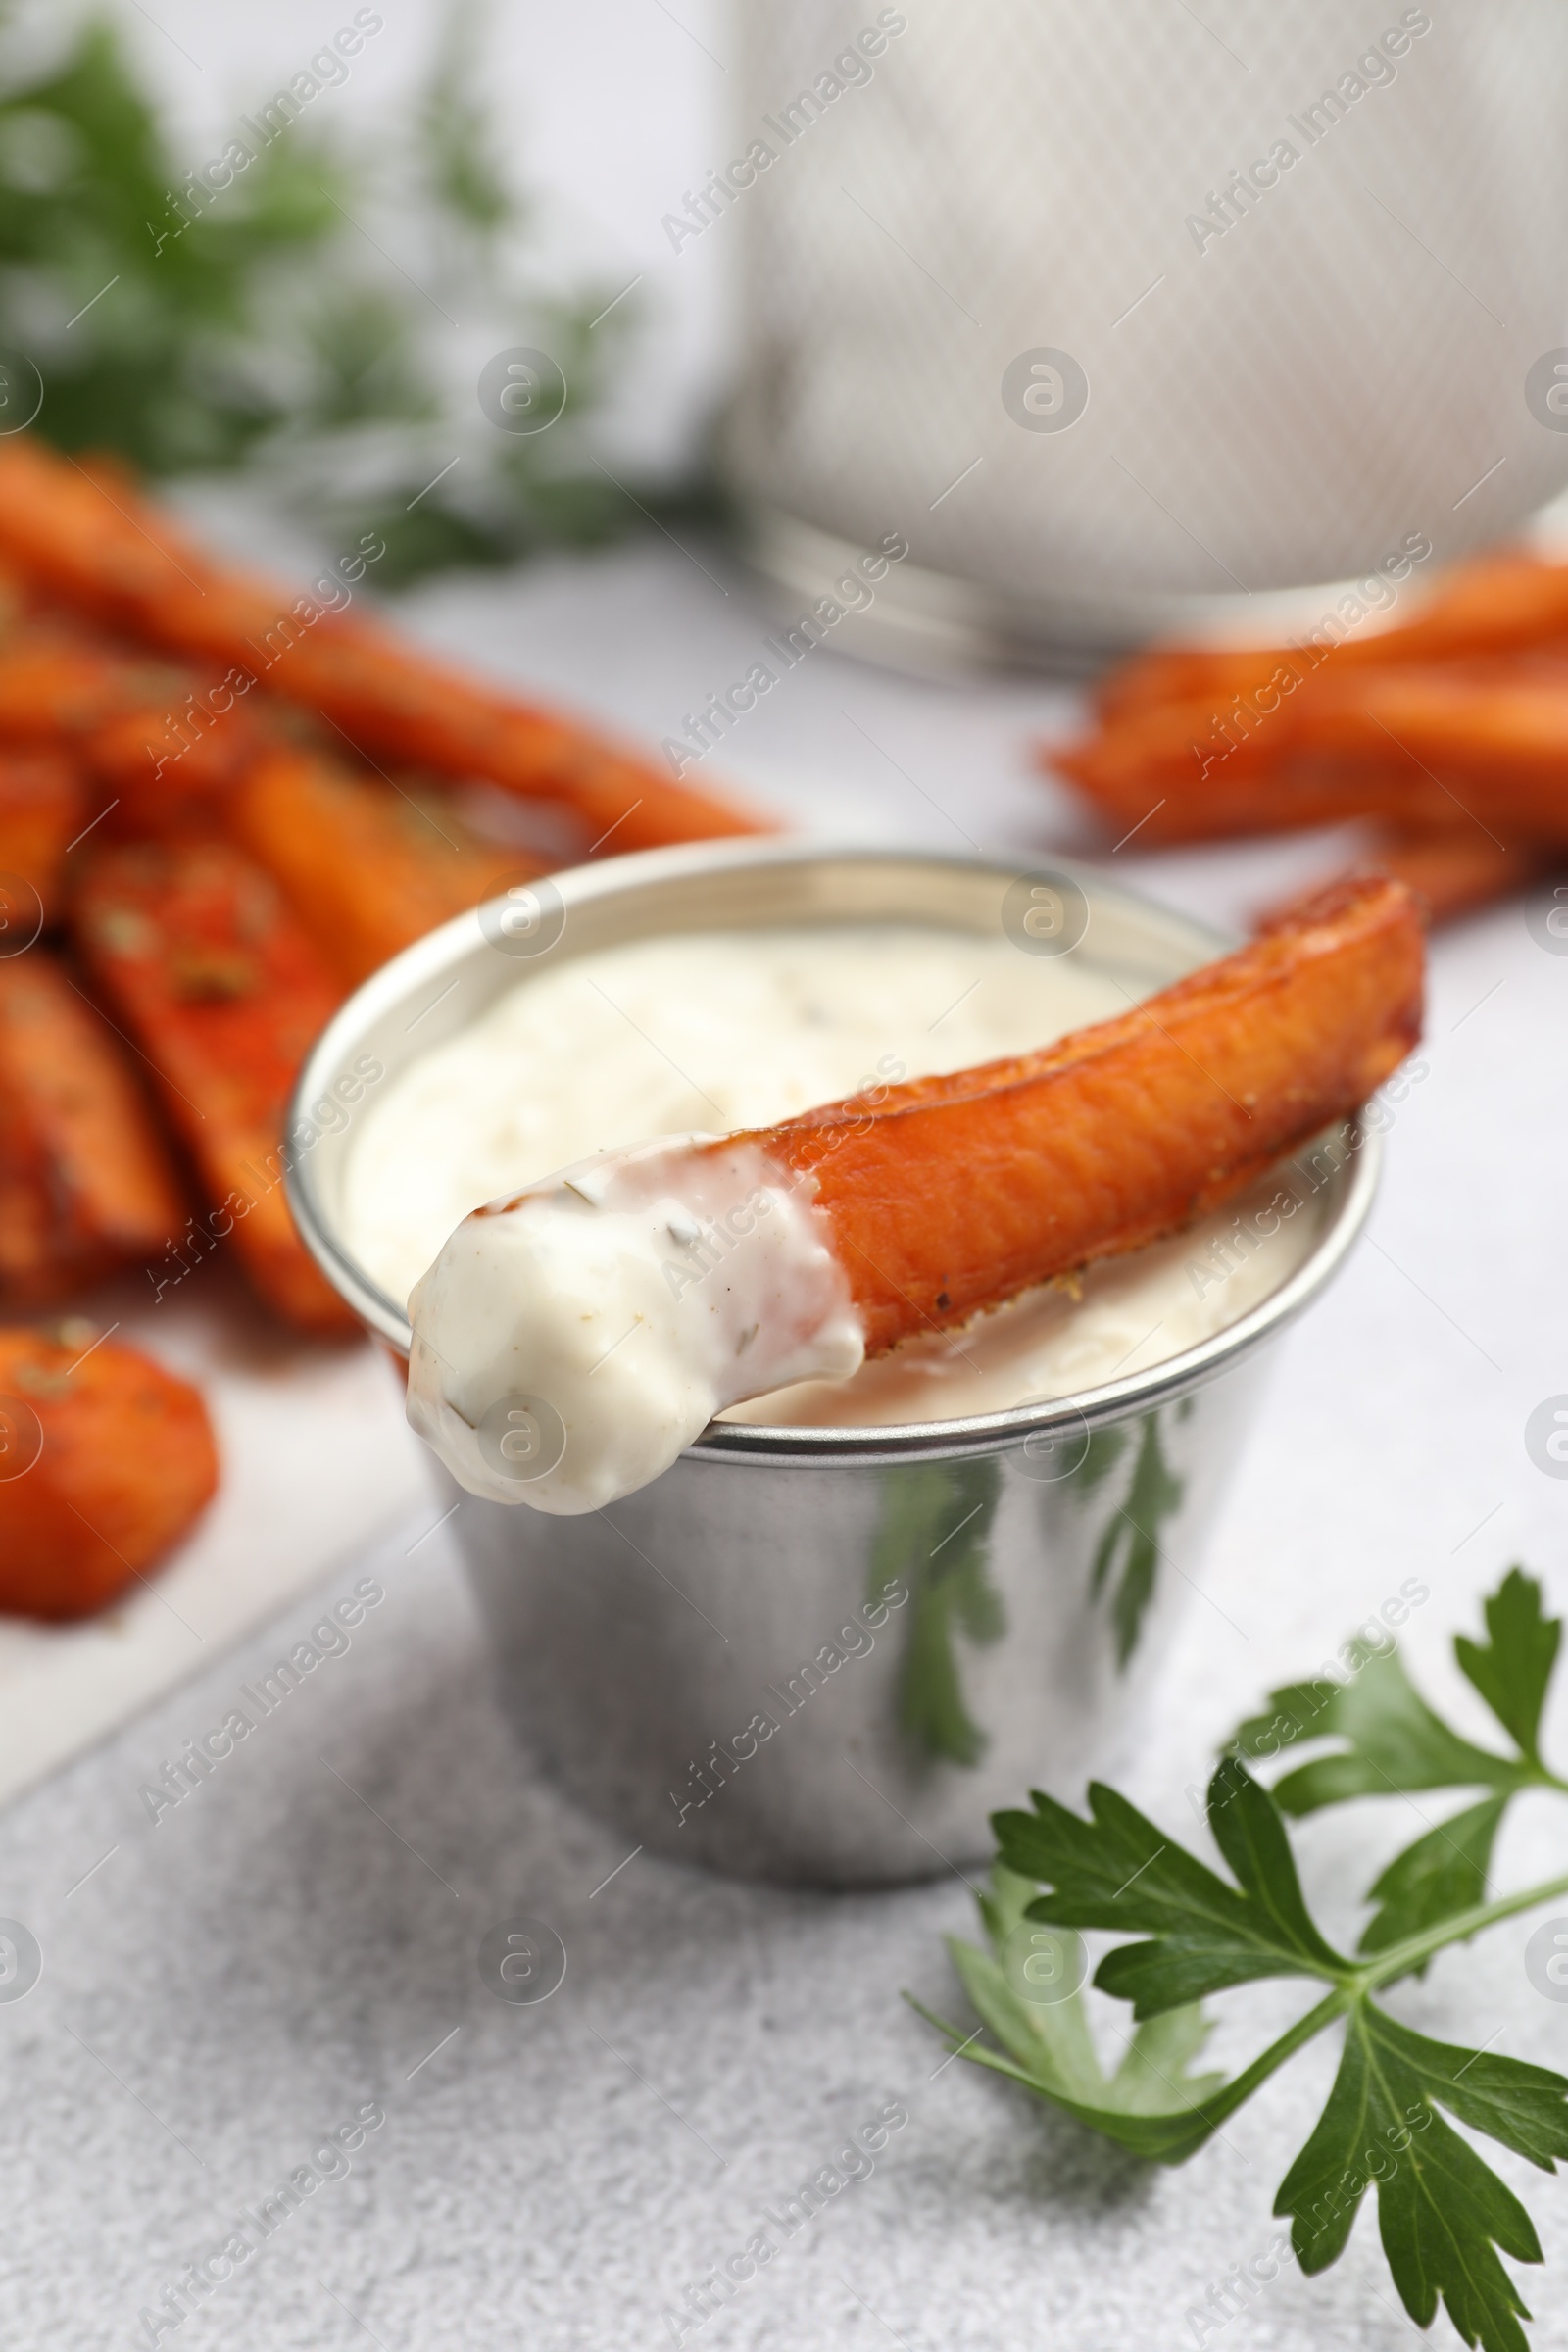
<point>1135,320</point>
<point>826,1656</point>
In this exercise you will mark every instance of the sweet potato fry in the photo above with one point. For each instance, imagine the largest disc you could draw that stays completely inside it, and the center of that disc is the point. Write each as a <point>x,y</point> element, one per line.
<point>1482,745</point>
<point>106,1459</point>
<point>43,809</point>
<point>158,747</point>
<point>222,992</point>
<point>365,870</point>
<point>55,684</point>
<point>1458,873</point>
<point>1452,873</point>
<point>959,1192</point>
<point>86,1182</point>
<point>1505,603</point>
<point>112,555</point>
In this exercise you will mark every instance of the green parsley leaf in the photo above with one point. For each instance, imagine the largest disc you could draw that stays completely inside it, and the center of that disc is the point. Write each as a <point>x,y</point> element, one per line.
<point>1440,1876</point>
<point>1444,2217</point>
<point>1394,1742</point>
<point>1513,1670</point>
<point>1152,2105</point>
<point>1117,1870</point>
<point>1441,2211</point>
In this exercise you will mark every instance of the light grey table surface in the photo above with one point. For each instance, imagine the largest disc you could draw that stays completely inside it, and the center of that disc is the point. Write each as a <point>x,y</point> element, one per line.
<point>297,1940</point>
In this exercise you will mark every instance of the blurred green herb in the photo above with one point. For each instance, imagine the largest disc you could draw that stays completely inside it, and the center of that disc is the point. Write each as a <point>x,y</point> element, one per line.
<point>1444,2216</point>
<point>1128,1552</point>
<point>265,321</point>
<point>934,1534</point>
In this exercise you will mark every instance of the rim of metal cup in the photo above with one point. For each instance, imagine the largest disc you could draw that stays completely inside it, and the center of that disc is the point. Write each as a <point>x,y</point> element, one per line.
<point>930,623</point>
<point>422,969</point>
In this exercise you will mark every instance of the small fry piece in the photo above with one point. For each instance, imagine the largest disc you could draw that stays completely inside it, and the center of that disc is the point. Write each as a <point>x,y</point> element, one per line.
<point>112,554</point>
<point>366,871</point>
<point>86,1184</point>
<point>223,993</point>
<point>106,1460</point>
<point>43,809</point>
<point>960,1192</point>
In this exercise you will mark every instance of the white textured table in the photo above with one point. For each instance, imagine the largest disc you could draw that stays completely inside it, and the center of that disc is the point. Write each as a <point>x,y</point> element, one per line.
<point>296,1942</point>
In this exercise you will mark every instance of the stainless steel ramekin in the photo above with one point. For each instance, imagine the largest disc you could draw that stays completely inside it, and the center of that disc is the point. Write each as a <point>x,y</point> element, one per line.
<point>825,1655</point>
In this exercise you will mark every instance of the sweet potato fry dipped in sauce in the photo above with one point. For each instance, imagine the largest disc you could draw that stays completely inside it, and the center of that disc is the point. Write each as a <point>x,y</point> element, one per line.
<point>223,992</point>
<point>86,1182</point>
<point>870,1225</point>
<point>106,1460</point>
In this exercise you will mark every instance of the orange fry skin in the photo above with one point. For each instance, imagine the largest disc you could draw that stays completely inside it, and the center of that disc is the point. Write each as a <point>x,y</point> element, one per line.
<point>958,1193</point>
<point>86,1182</point>
<point>149,766</point>
<point>222,992</point>
<point>1458,873</point>
<point>123,1462</point>
<point>43,809</point>
<point>1479,746</point>
<point>366,871</point>
<point>1502,603</point>
<point>1451,874</point>
<point>109,553</point>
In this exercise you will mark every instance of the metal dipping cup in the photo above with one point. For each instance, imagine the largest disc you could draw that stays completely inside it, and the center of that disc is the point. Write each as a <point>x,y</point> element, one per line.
<point>824,1656</point>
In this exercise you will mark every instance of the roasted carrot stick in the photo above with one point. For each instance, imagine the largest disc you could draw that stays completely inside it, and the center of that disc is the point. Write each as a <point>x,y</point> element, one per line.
<point>106,1459</point>
<point>43,809</point>
<point>959,1192</point>
<point>222,992</point>
<point>111,553</point>
<point>366,869</point>
<point>86,1182</point>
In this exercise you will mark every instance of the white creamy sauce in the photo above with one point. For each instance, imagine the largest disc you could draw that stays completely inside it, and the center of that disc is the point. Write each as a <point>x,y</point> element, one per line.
<point>706,1034</point>
<point>572,1342</point>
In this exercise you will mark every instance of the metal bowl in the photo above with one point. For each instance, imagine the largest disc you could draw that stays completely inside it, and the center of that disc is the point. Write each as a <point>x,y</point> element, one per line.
<point>825,1655</point>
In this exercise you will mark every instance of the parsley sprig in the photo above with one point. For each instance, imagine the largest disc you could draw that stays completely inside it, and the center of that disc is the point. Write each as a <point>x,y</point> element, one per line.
<point>1443,2215</point>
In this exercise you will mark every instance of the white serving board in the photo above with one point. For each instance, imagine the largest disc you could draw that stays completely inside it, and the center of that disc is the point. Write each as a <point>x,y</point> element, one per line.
<point>316,1458</point>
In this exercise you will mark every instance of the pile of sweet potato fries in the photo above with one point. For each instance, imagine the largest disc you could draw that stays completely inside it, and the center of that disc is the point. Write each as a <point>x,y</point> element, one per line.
<point>221,805</point>
<point>1448,732</point>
